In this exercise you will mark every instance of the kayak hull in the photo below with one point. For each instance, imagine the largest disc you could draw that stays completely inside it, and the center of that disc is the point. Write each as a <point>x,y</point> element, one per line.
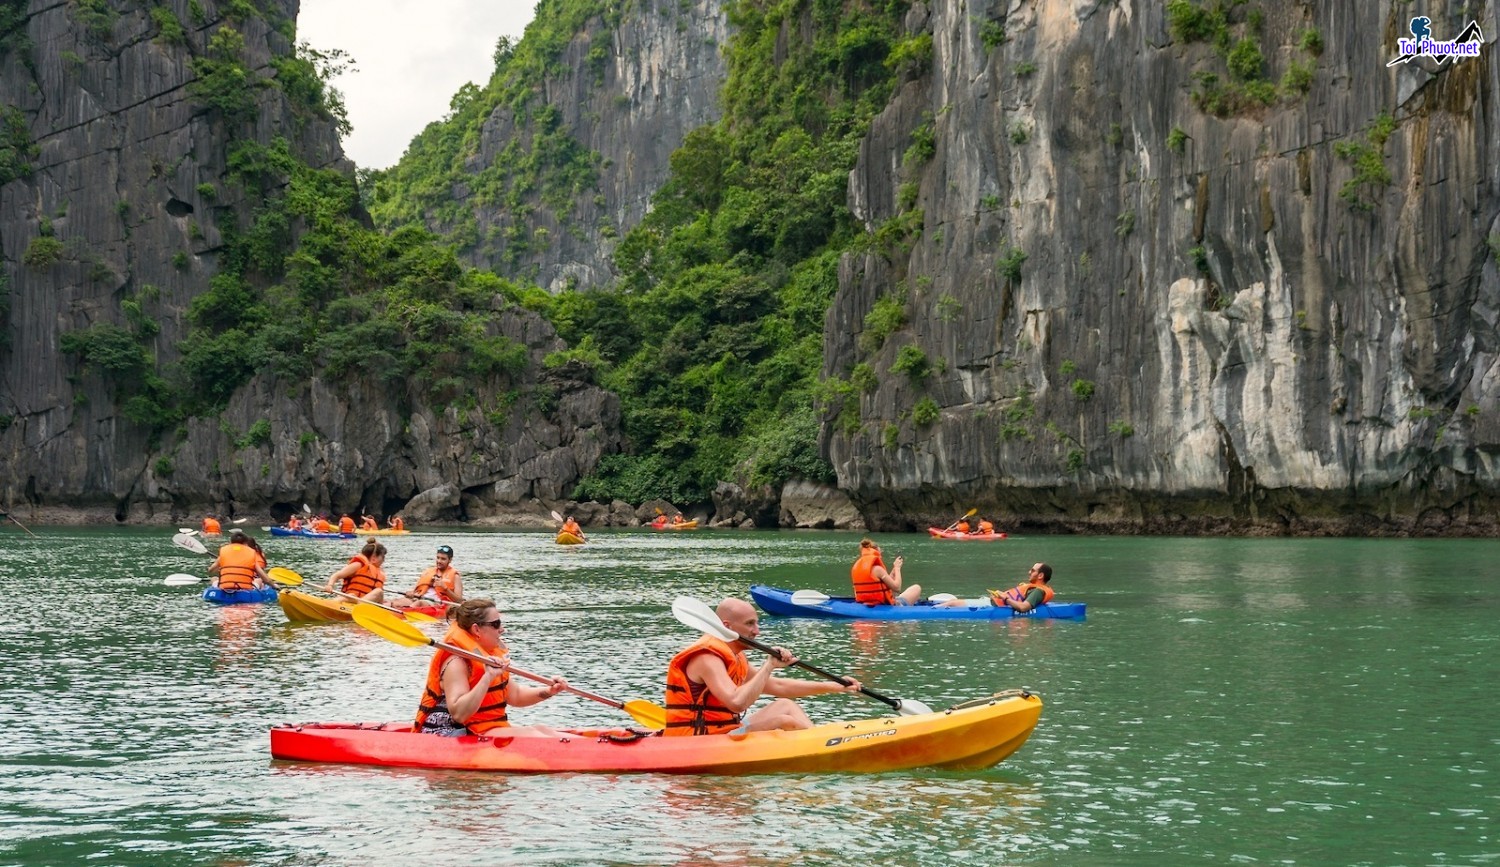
<point>306,608</point>
<point>685,525</point>
<point>955,536</point>
<point>239,597</point>
<point>975,735</point>
<point>382,532</point>
<point>309,534</point>
<point>568,539</point>
<point>775,600</point>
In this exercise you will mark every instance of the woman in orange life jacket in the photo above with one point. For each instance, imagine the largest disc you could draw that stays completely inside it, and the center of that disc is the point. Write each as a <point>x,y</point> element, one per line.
<point>363,575</point>
<point>1024,597</point>
<point>710,684</point>
<point>346,524</point>
<point>396,523</point>
<point>238,566</point>
<point>294,523</point>
<point>463,697</point>
<point>368,522</point>
<point>985,527</point>
<point>571,526</point>
<point>441,583</point>
<point>873,585</point>
<point>211,526</point>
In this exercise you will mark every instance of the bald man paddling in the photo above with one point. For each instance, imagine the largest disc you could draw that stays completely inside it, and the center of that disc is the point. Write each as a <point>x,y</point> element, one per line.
<point>710,684</point>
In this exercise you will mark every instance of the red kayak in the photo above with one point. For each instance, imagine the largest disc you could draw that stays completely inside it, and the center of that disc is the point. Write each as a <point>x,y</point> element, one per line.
<point>940,533</point>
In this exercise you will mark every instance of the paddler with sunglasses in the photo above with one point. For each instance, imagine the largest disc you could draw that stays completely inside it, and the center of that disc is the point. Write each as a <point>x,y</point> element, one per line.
<point>463,697</point>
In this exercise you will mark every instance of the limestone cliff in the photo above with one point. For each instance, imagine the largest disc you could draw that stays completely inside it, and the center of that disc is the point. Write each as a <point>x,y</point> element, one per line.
<point>1157,285</point>
<point>627,91</point>
<point>116,198</point>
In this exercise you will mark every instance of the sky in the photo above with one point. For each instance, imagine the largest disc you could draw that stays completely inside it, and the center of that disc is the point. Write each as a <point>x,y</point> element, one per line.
<point>410,58</point>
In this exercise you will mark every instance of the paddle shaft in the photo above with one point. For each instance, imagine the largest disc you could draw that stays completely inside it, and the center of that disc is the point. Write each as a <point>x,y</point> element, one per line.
<point>480,658</point>
<point>766,648</point>
<point>21,525</point>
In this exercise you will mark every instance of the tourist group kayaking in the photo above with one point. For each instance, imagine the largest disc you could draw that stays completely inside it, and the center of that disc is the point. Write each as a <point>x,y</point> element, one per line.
<point>711,694</point>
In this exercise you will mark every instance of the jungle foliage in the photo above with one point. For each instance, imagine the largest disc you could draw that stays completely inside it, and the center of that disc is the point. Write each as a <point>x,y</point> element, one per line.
<point>712,335</point>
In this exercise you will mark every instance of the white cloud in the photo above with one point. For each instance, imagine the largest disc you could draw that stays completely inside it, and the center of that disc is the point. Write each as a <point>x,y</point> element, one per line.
<point>410,58</point>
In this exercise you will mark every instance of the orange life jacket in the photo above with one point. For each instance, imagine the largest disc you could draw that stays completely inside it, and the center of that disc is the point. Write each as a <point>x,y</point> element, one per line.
<point>346,524</point>
<point>659,521</point>
<point>210,527</point>
<point>986,527</point>
<point>571,526</point>
<point>369,524</point>
<point>963,527</point>
<point>443,582</point>
<point>293,524</point>
<point>692,709</point>
<point>366,578</point>
<point>398,524</point>
<point>867,588</point>
<point>492,711</point>
<point>237,567</point>
<point>1018,592</point>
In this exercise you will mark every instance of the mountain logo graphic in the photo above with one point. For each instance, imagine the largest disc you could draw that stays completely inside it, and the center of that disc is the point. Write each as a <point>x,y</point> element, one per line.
<point>1466,44</point>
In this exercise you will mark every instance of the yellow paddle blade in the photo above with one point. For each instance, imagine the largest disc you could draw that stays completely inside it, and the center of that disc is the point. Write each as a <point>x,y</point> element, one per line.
<point>388,626</point>
<point>284,576</point>
<point>419,617</point>
<point>648,714</point>
<point>971,513</point>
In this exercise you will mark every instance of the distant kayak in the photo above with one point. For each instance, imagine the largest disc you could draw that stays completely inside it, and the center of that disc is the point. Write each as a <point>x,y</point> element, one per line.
<point>775,600</point>
<point>940,533</point>
<point>239,597</point>
<point>382,532</point>
<point>310,534</point>
<point>973,735</point>
<point>568,539</point>
<point>685,525</point>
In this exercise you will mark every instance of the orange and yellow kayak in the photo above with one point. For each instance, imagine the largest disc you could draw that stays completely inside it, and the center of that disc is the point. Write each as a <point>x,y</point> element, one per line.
<point>975,734</point>
<point>568,539</point>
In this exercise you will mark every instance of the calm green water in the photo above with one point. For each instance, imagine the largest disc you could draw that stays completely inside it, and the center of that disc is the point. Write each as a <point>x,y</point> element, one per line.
<point>1227,701</point>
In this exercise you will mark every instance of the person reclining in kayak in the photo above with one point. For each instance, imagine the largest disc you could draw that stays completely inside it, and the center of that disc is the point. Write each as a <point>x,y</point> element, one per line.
<point>1036,590</point>
<point>873,585</point>
<point>439,585</point>
<point>462,697</point>
<point>710,684</point>
<point>239,566</point>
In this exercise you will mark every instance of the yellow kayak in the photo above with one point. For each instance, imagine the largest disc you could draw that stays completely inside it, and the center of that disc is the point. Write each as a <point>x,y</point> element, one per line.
<point>568,539</point>
<point>306,607</point>
<point>381,532</point>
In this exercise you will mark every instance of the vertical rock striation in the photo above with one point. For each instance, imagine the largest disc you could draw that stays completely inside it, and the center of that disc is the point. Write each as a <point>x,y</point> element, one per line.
<point>1136,313</point>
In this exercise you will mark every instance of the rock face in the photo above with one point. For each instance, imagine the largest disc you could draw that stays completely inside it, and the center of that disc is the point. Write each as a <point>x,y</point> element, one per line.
<point>630,94</point>
<point>1218,323</point>
<point>114,189</point>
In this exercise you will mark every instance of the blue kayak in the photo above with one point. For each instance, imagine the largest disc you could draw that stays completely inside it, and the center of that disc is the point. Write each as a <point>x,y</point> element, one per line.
<point>774,600</point>
<point>240,597</point>
<point>309,534</point>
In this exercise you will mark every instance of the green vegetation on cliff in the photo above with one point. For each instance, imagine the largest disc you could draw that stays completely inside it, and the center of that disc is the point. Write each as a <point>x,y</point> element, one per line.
<point>713,335</point>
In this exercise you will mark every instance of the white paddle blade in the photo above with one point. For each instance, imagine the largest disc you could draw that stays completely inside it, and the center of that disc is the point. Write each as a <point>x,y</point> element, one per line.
<point>809,597</point>
<point>181,579</point>
<point>306,508</point>
<point>556,517</point>
<point>912,707</point>
<point>186,531</point>
<point>189,543</point>
<point>240,520</point>
<point>941,597</point>
<point>696,615</point>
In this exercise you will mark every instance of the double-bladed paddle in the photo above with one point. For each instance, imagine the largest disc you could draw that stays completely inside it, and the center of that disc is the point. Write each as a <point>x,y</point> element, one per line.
<point>394,629</point>
<point>188,543</point>
<point>697,615</point>
<point>813,598</point>
<point>966,515</point>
